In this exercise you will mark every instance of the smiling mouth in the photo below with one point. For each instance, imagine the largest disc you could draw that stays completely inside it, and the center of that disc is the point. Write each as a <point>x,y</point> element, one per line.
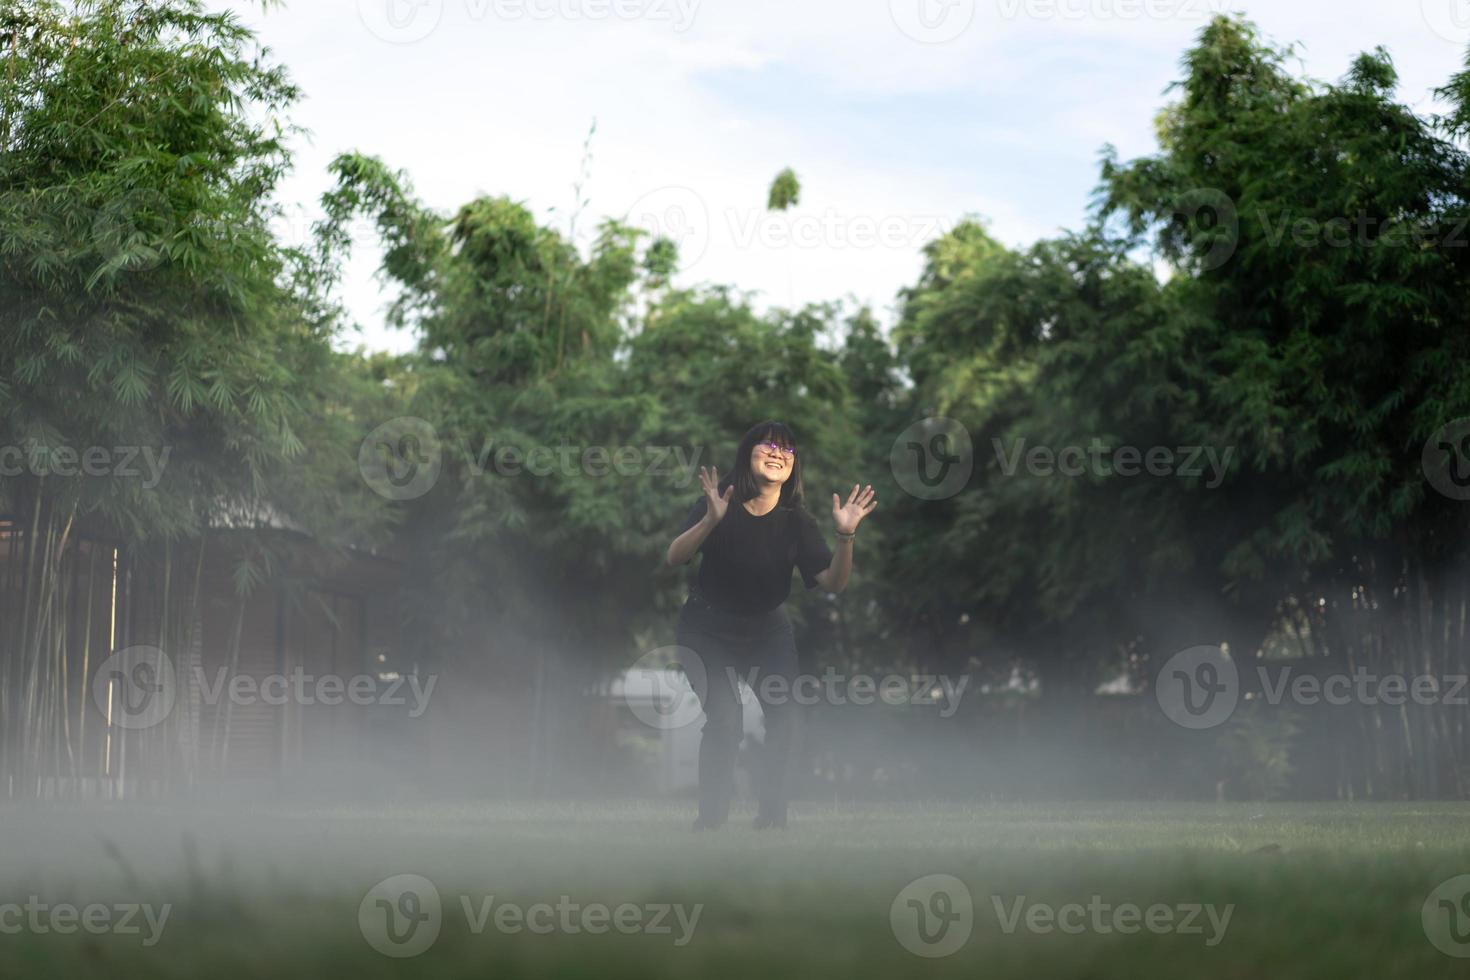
<point>775,466</point>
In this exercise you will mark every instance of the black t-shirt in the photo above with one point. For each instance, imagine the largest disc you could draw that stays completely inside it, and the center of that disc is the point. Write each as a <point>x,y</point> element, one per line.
<point>748,560</point>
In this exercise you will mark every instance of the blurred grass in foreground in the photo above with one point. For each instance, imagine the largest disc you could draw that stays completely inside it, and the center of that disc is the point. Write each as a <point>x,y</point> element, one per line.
<point>1331,890</point>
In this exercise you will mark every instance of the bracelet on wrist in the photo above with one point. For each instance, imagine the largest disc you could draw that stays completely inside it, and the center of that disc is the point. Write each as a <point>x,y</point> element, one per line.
<point>846,537</point>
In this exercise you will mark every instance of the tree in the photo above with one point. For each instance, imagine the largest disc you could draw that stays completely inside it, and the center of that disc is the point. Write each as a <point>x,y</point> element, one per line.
<point>145,306</point>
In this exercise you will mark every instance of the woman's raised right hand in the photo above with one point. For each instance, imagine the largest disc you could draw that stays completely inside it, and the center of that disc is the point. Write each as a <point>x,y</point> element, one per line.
<point>715,502</point>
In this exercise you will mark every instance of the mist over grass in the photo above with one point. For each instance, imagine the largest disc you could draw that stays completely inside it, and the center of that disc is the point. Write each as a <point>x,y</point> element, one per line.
<point>270,890</point>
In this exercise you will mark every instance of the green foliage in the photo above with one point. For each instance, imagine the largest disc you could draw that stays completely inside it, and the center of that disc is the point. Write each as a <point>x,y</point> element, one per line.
<point>1311,329</point>
<point>785,191</point>
<point>1256,748</point>
<point>144,301</point>
<point>528,345</point>
<point>1310,335</point>
<point>661,261</point>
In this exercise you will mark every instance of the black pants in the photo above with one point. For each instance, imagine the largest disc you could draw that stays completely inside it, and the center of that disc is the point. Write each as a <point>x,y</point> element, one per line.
<point>732,647</point>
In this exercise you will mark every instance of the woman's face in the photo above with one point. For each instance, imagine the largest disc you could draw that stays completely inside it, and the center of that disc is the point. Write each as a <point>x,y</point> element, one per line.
<point>770,464</point>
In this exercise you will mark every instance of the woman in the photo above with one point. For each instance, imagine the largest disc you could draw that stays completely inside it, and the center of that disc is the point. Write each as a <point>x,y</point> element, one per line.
<point>752,530</point>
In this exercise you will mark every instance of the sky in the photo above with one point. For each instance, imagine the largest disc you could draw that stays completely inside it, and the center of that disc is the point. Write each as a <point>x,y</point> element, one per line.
<point>899,117</point>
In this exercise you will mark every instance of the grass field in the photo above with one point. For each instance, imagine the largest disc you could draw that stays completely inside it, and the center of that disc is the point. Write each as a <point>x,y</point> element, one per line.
<point>1329,891</point>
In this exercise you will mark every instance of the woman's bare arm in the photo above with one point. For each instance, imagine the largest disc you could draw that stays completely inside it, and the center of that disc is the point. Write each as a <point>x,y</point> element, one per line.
<point>684,547</point>
<point>847,517</point>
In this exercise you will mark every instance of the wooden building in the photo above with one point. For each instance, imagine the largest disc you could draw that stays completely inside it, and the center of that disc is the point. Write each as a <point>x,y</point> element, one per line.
<point>256,672</point>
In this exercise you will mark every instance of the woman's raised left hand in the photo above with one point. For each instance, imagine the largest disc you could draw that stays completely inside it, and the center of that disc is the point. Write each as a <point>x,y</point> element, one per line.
<point>860,504</point>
